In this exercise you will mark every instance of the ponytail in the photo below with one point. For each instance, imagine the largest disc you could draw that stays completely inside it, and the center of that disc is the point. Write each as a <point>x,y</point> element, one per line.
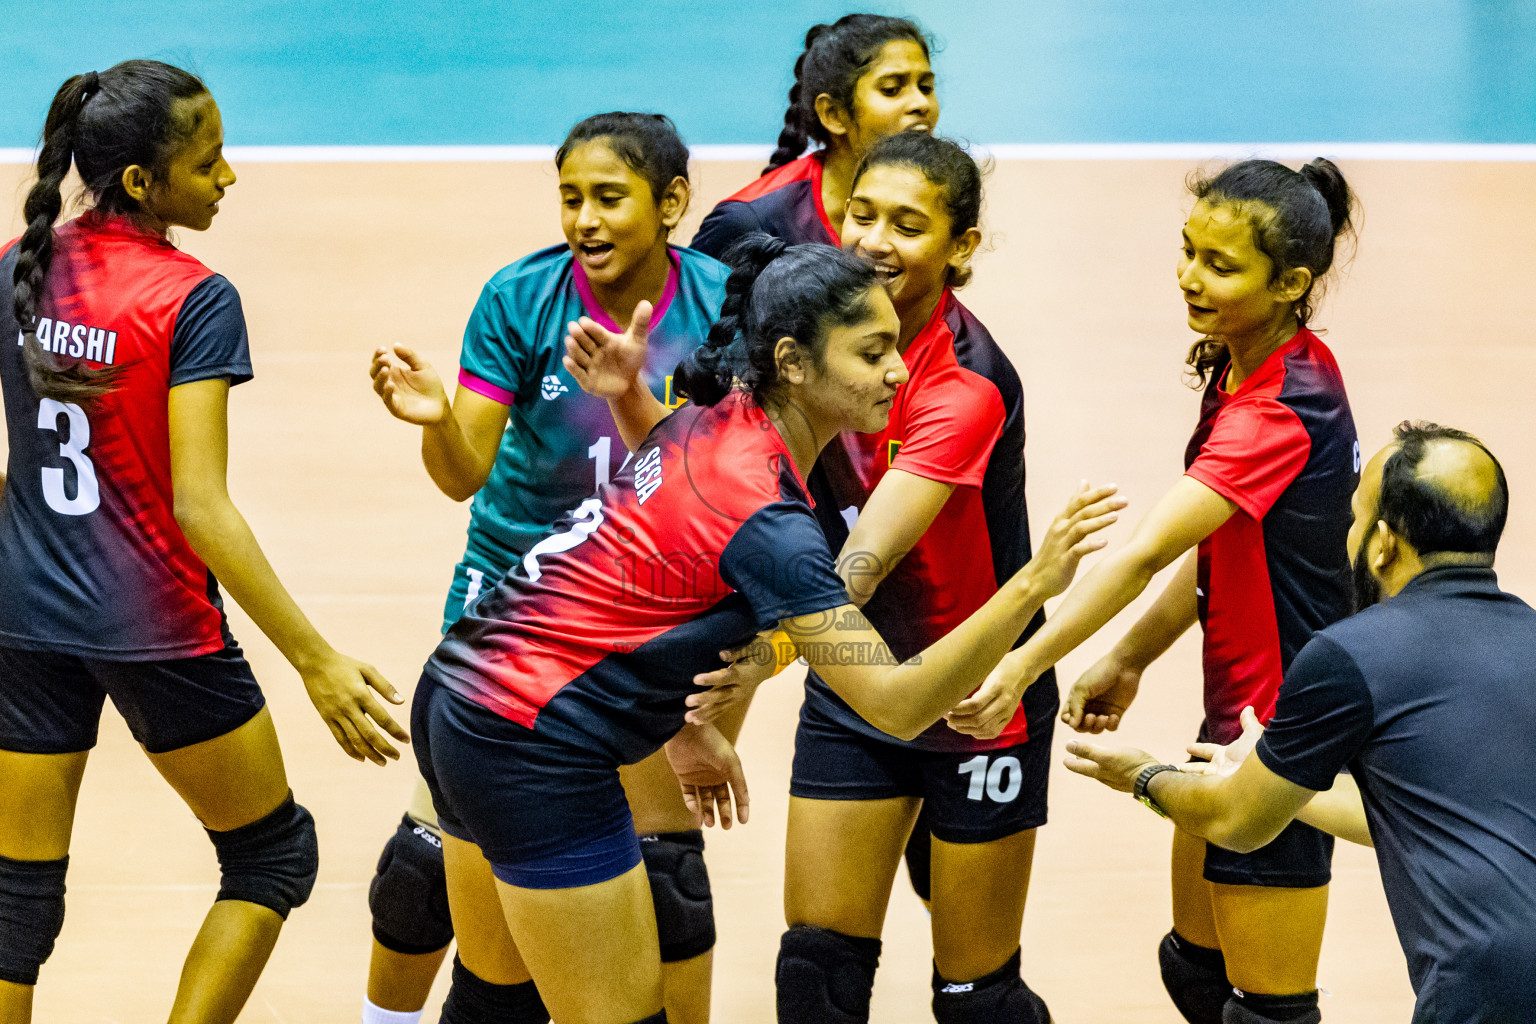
<point>102,123</point>
<point>1297,219</point>
<point>833,61</point>
<point>774,291</point>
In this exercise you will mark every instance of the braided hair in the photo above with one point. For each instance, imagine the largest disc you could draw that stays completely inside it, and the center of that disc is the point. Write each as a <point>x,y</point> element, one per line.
<point>103,124</point>
<point>1297,217</point>
<point>775,291</point>
<point>834,59</point>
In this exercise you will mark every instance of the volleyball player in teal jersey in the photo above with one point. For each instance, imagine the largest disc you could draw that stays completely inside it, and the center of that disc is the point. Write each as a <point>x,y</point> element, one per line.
<point>529,445</point>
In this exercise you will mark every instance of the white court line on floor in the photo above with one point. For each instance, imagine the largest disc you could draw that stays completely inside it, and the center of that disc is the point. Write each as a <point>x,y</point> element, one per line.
<point>1185,151</point>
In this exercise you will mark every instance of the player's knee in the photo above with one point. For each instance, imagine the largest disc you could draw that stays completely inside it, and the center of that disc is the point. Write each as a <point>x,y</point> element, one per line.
<point>31,915</point>
<point>997,998</point>
<point>408,896</point>
<point>1195,977</point>
<point>1248,1008</point>
<point>825,976</point>
<point>271,862</point>
<point>685,910</point>
<point>473,1000</point>
<point>659,1017</point>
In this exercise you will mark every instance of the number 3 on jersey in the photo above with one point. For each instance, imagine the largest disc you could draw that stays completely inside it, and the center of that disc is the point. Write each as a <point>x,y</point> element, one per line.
<point>87,494</point>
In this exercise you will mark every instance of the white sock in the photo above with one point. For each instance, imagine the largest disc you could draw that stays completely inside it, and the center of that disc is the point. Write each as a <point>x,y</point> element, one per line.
<point>378,1015</point>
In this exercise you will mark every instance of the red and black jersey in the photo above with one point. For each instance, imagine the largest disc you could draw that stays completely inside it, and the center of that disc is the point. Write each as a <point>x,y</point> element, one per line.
<point>959,419</point>
<point>705,538</point>
<point>92,561</point>
<point>785,203</point>
<point>1283,449</point>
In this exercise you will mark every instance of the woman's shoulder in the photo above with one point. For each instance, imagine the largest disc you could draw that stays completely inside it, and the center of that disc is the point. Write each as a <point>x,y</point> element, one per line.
<point>702,273</point>
<point>534,272</point>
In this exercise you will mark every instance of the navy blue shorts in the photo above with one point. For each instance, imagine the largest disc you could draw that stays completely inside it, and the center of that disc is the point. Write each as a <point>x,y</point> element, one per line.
<point>1300,857</point>
<point>50,703</point>
<point>547,815</point>
<point>968,797</point>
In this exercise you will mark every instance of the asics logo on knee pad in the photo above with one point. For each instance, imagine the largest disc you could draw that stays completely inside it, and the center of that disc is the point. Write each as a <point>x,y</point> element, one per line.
<point>426,833</point>
<point>954,987</point>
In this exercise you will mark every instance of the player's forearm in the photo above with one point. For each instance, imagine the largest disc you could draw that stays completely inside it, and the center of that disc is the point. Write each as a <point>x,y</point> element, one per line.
<point>1098,597</point>
<point>1208,806</point>
<point>917,693</point>
<point>220,536</point>
<point>451,461</point>
<point>1175,610</point>
<point>1339,812</point>
<point>636,413</point>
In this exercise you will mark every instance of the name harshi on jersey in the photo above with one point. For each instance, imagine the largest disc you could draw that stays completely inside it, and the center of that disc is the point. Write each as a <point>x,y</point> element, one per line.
<point>77,341</point>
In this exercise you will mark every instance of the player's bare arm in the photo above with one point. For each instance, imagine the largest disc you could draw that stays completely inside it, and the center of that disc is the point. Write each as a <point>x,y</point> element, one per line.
<point>459,440</point>
<point>1186,515</point>
<point>341,688</point>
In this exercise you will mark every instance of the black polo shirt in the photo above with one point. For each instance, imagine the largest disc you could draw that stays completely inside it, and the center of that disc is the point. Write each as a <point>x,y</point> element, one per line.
<point>1429,700</point>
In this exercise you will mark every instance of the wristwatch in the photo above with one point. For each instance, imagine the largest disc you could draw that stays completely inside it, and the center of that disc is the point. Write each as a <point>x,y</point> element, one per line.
<point>1139,787</point>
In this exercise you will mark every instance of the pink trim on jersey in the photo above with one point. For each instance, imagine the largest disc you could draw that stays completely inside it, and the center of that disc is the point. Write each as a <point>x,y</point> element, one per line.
<point>598,313</point>
<point>484,387</point>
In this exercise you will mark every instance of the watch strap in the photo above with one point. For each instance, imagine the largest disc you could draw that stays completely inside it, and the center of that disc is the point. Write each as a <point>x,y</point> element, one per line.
<point>1145,776</point>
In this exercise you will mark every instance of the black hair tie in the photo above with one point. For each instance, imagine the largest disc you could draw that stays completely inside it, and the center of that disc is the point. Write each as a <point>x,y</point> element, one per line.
<point>91,86</point>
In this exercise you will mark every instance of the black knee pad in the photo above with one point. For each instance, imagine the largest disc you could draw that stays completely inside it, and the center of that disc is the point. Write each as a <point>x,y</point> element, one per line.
<point>655,1018</point>
<point>473,1000</point>
<point>271,862</point>
<point>1195,977</point>
<point>825,976</point>
<point>919,857</point>
<point>1248,1008</point>
<point>997,998</point>
<point>409,892</point>
<point>685,910</point>
<point>31,915</point>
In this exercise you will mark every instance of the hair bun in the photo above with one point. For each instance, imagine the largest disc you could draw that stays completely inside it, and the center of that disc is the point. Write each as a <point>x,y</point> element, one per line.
<point>1323,175</point>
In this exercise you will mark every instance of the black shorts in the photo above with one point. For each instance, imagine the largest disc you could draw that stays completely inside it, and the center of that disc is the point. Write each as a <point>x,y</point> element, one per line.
<point>50,703</point>
<point>969,797</point>
<point>546,814</point>
<point>1300,857</point>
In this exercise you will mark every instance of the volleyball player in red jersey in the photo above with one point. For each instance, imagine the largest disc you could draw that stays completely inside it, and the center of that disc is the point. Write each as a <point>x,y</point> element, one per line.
<point>930,519</point>
<point>582,657</point>
<point>1265,504</point>
<point>113,524</point>
<point>859,79</point>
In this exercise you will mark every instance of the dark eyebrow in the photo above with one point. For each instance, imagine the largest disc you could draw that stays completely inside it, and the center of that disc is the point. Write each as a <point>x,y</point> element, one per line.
<point>1223,253</point>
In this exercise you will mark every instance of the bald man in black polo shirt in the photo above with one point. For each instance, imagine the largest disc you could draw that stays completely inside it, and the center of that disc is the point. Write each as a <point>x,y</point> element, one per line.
<point>1428,697</point>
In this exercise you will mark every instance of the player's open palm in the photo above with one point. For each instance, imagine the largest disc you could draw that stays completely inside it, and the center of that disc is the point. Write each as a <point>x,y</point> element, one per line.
<point>342,690</point>
<point>1099,698</point>
<point>411,389</point>
<point>1071,536</point>
<point>603,363</point>
<point>706,765</point>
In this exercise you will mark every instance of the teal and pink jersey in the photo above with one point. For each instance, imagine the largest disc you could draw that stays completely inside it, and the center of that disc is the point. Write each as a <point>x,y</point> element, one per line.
<point>561,444</point>
<point>705,538</point>
<point>92,561</point>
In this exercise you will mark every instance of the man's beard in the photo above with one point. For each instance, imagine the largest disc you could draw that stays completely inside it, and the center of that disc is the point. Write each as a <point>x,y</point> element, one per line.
<point>1367,587</point>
